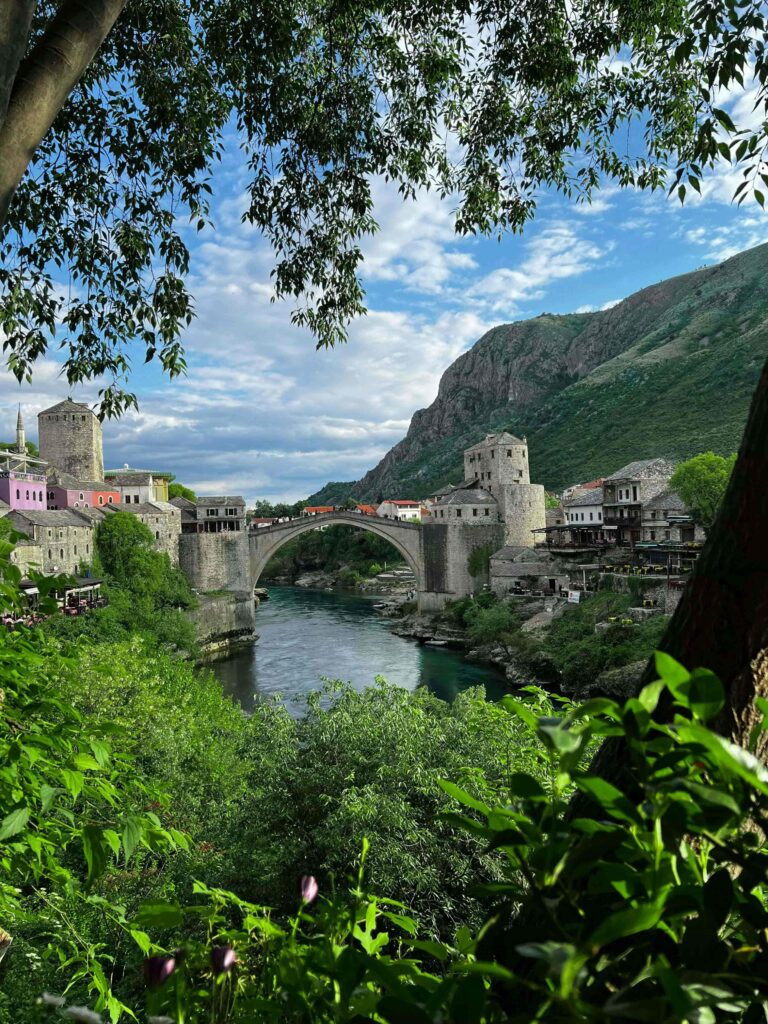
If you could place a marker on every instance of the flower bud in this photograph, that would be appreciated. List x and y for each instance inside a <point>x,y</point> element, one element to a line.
<point>223,959</point>
<point>309,888</point>
<point>158,969</point>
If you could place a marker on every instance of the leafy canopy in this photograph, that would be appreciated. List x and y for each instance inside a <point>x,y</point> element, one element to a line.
<point>488,103</point>
<point>701,483</point>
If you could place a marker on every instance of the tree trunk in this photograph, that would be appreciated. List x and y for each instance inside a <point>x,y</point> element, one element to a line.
<point>15,22</point>
<point>44,81</point>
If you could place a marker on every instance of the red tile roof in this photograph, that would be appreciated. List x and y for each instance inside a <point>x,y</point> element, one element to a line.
<point>402,501</point>
<point>319,508</point>
<point>367,510</point>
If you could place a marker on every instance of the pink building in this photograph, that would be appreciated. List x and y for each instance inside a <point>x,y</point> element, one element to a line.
<point>22,477</point>
<point>22,490</point>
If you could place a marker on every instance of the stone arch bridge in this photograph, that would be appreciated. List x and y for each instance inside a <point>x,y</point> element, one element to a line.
<point>405,537</point>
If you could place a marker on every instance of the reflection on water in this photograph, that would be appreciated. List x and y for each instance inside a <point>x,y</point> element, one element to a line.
<point>308,635</point>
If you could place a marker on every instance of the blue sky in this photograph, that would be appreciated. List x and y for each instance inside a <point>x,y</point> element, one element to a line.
<point>263,414</point>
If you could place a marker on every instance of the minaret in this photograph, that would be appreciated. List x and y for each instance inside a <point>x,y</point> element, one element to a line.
<point>21,444</point>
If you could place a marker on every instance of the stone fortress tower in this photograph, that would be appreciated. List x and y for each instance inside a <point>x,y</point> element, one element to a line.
<point>70,440</point>
<point>499,464</point>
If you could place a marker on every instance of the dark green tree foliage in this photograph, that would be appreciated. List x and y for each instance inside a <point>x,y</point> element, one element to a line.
<point>176,490</point>
<point>124,107</point>
<point>701,483</point>
<point>146,593</point>
<point>648,904</point>
<point>331,549</point>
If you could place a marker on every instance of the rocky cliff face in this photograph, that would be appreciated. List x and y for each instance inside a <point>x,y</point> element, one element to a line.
<point>593,391</point>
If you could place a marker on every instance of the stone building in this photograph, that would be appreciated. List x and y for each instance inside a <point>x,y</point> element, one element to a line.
<point>584,515</point>
<point>499,464</point>
<point>64,538</point>
<point>71,440</point>
<point>164,522</point>
<point>626,491</point>
<point>211,514</point>
<point>666,518</point>
<point>138,486</point>
<point>514,571</point>
<point>468,506</point>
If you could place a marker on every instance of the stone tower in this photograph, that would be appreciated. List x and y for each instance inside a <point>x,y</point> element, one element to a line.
<point>21,441</point>
<point>70,440</point>
<point>499,464</point>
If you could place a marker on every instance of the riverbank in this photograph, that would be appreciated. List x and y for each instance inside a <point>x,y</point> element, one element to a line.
<point>598,647</point>
<point>397,581</point>
<point>224,622</point>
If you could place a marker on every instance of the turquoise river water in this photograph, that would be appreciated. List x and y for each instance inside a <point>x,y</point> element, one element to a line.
<point>306,635</point>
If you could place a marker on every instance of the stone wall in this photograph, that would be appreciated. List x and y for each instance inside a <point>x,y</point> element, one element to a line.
<point>224,621</point>
<point>446,550</point>
<point>63,548</point>
<point>27,555</point>
<point>72,442</point>
<point>216,561</point>
<point>164,523</point>
<point>523,510</point>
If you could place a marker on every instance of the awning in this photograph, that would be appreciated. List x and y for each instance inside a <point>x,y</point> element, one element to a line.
<point>30,590</point>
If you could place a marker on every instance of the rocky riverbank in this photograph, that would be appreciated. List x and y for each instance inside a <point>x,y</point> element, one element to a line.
<point>398,582</point>
<point>224,622</point>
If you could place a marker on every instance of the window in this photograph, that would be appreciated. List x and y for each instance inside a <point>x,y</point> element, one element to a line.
<point>40,496</point>
<point>81,495</point>
<point>61,553</point>
<point>101,499</point>
<point>509,453</point>
<point>211,511</point>
<point>458,513</point>
<point>127,499</point>
<point>157,535</point>
<point>87,549</point>
<point>135,499</point>
<point>109,500</point>
<point>50,554</point>
<point>599,515</point>
<point>653,535</point>
<point>441,514</point>
<point>666,535</point>
<point>487,511</point>
<point>27,495</point>
<point>77,504</point>
<point>75,548</point>
<point>590,517</point>
<point>49,533</point>
<point>493,454</point>
<point>653,515</point>
<point>18,494</point>
<point>83,418</point>
<point>230,511</point>
<point>85,505</point>
<point>474,511</point>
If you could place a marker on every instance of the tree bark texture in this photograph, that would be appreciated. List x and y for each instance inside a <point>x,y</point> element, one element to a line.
<point>15,22</point>
<point>45,79</point>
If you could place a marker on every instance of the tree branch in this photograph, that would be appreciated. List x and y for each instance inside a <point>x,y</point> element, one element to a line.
<point>44,81</point>
<point>15,22</point>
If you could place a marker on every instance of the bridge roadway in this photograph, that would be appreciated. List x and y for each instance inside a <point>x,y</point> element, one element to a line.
<point>405,537</point>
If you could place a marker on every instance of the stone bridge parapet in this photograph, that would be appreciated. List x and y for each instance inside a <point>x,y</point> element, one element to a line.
<point>405,537</point>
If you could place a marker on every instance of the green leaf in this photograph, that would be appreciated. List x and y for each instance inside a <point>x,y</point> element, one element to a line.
<point>131,838</point>
<point>47,795</point>
<point>73,781</point>
<point>607,796</point>
<point>462,796</point>
<point>14,823</point>
<point>669,670</point>
<point>159,914</point>
<point>94,851</point>
<point>705,694</point>
<point>86,762</point>
<point>626,922</point>
<point>113,839</point>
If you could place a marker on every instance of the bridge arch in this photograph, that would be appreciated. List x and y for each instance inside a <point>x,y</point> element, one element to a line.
<point>404,537</point>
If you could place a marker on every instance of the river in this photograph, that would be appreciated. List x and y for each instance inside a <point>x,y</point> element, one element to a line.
<point>306,635</point>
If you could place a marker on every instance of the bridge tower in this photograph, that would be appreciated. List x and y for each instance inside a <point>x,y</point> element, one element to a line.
<point>499,464</point>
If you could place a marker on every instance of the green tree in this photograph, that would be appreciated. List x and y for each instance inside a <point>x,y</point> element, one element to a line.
<point>176,490</point>
<point>701,483</point>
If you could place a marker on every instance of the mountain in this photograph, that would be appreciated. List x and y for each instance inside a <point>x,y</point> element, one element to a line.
<point>667,372</point>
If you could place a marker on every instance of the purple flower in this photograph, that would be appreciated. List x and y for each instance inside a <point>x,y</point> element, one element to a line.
<point>309,888</point>
<point>223,959</point>
<point>158,969</point>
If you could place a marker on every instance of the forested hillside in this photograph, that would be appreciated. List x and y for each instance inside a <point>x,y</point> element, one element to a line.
<point>669,371</point>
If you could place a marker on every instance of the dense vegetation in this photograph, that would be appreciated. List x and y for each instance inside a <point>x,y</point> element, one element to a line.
<point>146,594</point>
<point>358,552</point>
<point>701,483</point>
<point>580,643</point>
